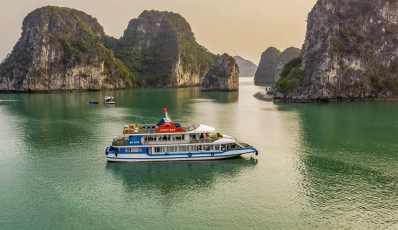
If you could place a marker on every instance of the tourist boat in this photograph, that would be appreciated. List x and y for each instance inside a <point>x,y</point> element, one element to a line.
<point>109,100</point>
<point>169,141</point>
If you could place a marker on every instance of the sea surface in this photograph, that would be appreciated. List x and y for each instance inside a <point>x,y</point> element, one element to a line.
<point>320,166</point>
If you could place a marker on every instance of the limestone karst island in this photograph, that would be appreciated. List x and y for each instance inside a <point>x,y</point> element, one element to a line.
<point>349,53</point>
<point>64,49</point>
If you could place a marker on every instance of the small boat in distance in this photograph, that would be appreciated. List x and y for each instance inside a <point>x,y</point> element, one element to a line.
<point>109,100</point>
<point>169,141</point>
<point>91,102</point>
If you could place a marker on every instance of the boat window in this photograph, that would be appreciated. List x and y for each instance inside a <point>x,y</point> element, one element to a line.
<point>178,137</point>
<point>134,150</point>
<point>193,137</point>
<point>151,138</point>
<point>160,149</point>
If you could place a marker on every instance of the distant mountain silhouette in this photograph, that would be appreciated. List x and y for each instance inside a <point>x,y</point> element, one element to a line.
<point>246,67</point>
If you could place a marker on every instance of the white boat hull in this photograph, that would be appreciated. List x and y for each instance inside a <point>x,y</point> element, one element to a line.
<point>194,156</point>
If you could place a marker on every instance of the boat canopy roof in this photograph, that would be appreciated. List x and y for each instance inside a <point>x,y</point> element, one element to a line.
<point>196,128</point>
<point>165,125</point>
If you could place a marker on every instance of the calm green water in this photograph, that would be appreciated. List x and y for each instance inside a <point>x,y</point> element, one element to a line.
<point>325,166</point>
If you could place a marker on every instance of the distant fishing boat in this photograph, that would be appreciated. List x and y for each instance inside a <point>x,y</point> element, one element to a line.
<point>93,102</point>
<point>109,100</point>
<point>169,141</point>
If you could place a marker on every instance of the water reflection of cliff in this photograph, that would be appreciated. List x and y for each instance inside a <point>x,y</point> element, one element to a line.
<point>221,97</point>
<point>348,167</point>
<point>170,177</point>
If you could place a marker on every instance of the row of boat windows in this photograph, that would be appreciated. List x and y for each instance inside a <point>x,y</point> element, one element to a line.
<point>193,148</point>
<point>177,137</point>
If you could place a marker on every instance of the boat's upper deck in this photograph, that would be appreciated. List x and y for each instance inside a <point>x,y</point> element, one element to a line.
<point>166,132</point>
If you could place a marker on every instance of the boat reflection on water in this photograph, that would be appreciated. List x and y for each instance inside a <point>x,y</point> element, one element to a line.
<point>170,177</point>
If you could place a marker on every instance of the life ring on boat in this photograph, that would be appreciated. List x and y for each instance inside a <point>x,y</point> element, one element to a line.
<point>145,143</point>
<point>189,154</point>
<point>212,154</point>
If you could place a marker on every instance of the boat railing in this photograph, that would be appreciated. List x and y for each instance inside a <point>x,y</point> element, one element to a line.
<point>167,142</point>
<point>119,141</point>
<point>201,141</point>
<point>243,145</point>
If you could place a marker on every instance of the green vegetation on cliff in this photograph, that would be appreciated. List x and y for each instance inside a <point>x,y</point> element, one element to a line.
<point>153,44</point>
<point>291,77</point>
<point>65,48</point>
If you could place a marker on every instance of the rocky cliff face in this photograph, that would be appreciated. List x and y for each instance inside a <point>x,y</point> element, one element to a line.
<point>350,52</point>
<point>223,75</point>
<point>246,67</point>
<point>266,68</point>
<point>61,49</point>
<point>161,49</point>
<point>286,56</point>
<point>272,63</point>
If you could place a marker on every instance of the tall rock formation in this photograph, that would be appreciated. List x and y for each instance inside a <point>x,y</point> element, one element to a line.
<point>161,49</point>
<point>272,63</point>
<point>350,53</point>
<point>223,75</point>
<point>246,67</point>
<point>61,49</point>
<point>266,68</point>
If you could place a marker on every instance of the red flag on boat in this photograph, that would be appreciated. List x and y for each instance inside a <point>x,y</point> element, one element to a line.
<point>165,109</point>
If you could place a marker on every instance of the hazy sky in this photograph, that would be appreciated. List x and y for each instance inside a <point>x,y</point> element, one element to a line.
<point>237,27</point>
